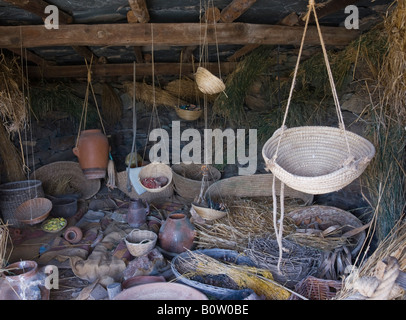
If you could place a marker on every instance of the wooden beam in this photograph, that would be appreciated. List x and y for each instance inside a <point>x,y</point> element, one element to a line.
<point>37,7</point>
<point>235,9</point>
<point>32,57</point>
<point>328,8</point>
<point>175,34</point>
<point>114,70</point>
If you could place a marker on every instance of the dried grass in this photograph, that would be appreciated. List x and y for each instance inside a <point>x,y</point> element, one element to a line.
<point>187,90</point>
<point>4,239</point>
<point>111,105</point>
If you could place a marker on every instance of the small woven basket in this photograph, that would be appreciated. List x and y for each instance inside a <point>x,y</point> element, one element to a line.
<point>208,213</point>
<point>313,288</point>
<point>140,242</point>
<point>156,170</point>
<point>33,211</point>
<point>188,115</point>
<point>187,179</point>
<point>207,82</point>
<point>315,159</point>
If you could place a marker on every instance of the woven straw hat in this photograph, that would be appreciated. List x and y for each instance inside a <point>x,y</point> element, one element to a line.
<point>72,174</point>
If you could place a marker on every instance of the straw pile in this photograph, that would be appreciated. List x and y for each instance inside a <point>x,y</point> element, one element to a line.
<point>111,105</point>
<point>4,237</point>
<point>259,280</point>
<point>186,89</point>
<point>152,96</point>
<point>246,219</point>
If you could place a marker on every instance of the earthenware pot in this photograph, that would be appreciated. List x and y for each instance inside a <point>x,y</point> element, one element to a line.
<point>177,233</point>
<point>92,151</point>
<point>137,213</point>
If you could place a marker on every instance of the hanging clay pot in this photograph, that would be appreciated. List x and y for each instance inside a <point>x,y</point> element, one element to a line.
<point>19,281</point>
<point>93,153</point>
<point>177,233</point>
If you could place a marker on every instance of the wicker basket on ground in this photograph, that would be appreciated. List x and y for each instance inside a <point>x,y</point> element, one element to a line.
<point>187,179</point>
<point>33,211</point>
<point>313,288</point>
<point>140,242</point>
<point>156,171</point>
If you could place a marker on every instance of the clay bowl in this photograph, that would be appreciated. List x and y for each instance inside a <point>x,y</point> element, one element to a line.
<point>64,207</point>
<point>161,291</point>
<point>33,211</point>
<point>138,280</point>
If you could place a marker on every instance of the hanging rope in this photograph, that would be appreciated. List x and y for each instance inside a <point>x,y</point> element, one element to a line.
<point>134,144</point>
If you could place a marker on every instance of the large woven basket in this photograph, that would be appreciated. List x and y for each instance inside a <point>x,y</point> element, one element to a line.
<point>188,115</point>
<point>13,194</point>
<point>315,159</point>
<point>156,170</point>
<point>207,82</point>
<point>257,185</point>
<point>326,217</point>
<point>187,179</point>
<point>222,255</point>
<point>140,242</point>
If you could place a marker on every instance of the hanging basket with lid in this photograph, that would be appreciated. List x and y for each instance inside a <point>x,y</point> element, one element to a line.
<point>316,159</point>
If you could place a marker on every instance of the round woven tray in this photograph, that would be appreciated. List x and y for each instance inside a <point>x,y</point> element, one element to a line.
<point>156,170</point>
<point>140,242</point>
<point>69,171</point>
<point>178,269</point>
<point>187,179</point>
<point>315,159</point>
<point>208,213</point>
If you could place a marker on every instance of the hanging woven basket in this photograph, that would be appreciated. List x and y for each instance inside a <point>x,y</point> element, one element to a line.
<point>207,82</point>
<point>317,159</point>
<point>155,177</point>
<point>189,115</point>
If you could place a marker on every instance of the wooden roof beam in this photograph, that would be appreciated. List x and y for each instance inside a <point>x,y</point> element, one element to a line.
<point>172,34</point>
<point>138,14</point>
<point>235,9</point>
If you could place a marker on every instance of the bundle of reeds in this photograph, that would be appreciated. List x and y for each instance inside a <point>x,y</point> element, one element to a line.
<point>392,246</point>
<point>152,96</point>
<point>112,109</point>
<point>259,280</point>
<point>186,89</point>
<point>13,111</point>
<point>4,239</point>
<point>393,73</point>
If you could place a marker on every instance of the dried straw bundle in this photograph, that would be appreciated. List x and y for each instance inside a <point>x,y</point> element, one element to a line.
<point>12,101</point>
<point>187,90</point>
<point>4,237</point>
<point>259,280</point>
<point>111,105</point>
<point>150,95</point>
<point>392,246</point>
<point>207,82</point>
<point>247,219</point>
<point>393,73</point>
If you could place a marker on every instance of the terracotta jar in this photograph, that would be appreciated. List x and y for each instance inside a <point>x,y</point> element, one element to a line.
<point>18,281</point>
<point>93,153</point>
<point>177,233</point>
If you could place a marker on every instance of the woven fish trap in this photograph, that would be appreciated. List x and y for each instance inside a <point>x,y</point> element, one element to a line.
<point>317,159</point>
<point>187,179</point>
<point>297,263</point>
<point>156,170</point>
<point>13,194</point>
<point>188,115</point>
<point>207,82</point>
<point>140,242</point>
<point>253,186</point>
<point>314,288</point>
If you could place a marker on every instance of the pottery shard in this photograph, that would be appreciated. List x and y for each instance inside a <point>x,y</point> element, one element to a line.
<point>145,265</point>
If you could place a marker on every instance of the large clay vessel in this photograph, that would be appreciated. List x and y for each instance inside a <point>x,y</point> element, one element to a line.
<point>93,153</point>
<point>177,233</point>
